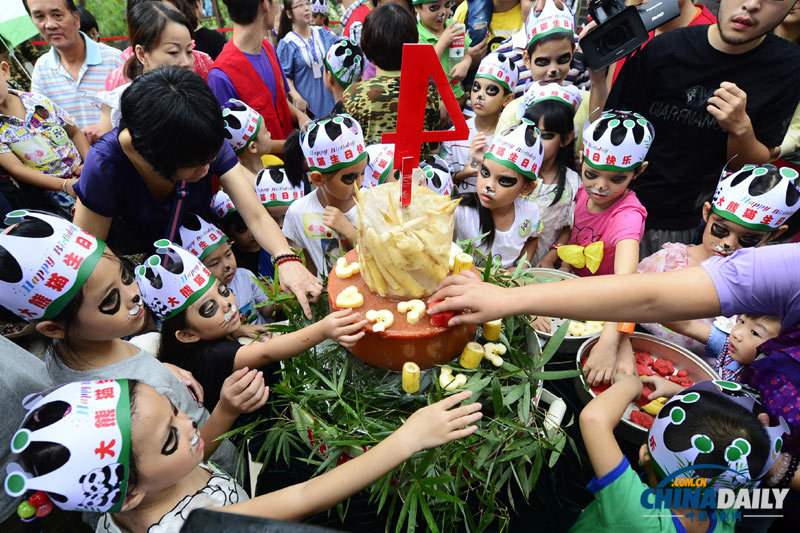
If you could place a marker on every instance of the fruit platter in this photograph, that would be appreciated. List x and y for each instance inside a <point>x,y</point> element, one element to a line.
<point>653,357</point>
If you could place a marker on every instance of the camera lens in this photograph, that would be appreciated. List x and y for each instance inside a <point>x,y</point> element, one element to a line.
<point>615,39</point>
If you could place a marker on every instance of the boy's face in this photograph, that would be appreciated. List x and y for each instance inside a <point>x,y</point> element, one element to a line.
<point>722,237</point>
<point>262,144</point>
<point>498,186</point>
<point>748,334</point>
<point>433,15</point>
<point>604,187</point>
<point>342,184</point>
<point>242,237</point>
<point>318,19</point>
<point>488,98</point>
<point>57,24</point>
<point>744,21</point>
<point>222,263</point>
<point>550,60</point>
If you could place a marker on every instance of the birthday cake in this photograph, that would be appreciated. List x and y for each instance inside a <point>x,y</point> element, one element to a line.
<point>403,253</point>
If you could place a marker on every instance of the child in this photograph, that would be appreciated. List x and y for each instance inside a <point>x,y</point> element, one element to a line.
<point>201,322</point>
<point>246,134</point>
<point>344,65</point>
<point>492,90</point>
<point>552,108</point>
<point>323,223</point>
<point>86,302</point>
<point>731,353</point>
<point>551,45</point>
<point>380,169</point>
<point>153,473</point>
<point>764,194</point>
<point>212,247</point>
<point>319,12</point>
<point>500,207</point>
<point>705,425</point>
<point>40,144</point>
<point>609,220</point>
<point>301,51</point>
<point>449,39</point>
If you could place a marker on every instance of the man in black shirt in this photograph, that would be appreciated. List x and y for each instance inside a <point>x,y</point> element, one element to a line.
<point>716,95</point>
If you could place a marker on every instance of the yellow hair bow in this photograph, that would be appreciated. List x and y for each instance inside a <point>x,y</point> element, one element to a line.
<point>582,256</point>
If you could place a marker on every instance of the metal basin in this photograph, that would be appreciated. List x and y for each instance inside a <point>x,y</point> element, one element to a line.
<point>681,358</point>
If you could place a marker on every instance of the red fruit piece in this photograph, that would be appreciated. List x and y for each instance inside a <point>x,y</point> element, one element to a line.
<point>682,373</point>
<point>440,320</point>
<point>600,388</point>
<point>643,399</point>
<point>664,367</point>
<point>643,357</point>
<point>38,498</point>
<point>642,419</point>
<point>643,370</point>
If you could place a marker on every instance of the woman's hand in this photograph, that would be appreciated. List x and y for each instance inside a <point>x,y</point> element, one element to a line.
<point>297,280</point>
<point>298,101</point>
<point>440,423</point>
<point>480,301</point>
<point>186,377</point>
<point>344,326</point>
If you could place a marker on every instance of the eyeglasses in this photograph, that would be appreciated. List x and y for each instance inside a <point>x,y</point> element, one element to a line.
<point>745,241</point>
<point>436,7</point>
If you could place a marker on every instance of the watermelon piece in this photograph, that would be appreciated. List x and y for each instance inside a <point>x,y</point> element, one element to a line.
<point>643,370</point>
<point>682,381</point>
<point>664,367</point>
<point>643,399</point>
<point>600,388</point>
<point>682,373</point>
<point>441,320</point>
<point>642,419</point>
<point>643,357</point>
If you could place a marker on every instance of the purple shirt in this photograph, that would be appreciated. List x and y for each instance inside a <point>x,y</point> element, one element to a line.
<point>222,86</point>
<point>111,187</point>
<point>764,281</point>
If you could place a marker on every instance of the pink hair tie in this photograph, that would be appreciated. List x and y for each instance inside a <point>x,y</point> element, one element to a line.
<point>193,44</point>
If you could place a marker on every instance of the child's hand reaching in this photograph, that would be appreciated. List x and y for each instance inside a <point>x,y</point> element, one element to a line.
<point>662,388</point>
<point>253,331</point>
<point>243,392</point>
<point>478,147</point>
<point>626,362</point>
<point>601,362</point>
<point>345,327</point>
<point>542,323</point>
<point>334,219</point>
<point>440,422</point>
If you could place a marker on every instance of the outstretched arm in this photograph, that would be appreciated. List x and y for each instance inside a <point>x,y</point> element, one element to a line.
<point>669,296</point>
<point>428,427</point>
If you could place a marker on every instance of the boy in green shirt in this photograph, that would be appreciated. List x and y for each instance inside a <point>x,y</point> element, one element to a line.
<point>449,39</point>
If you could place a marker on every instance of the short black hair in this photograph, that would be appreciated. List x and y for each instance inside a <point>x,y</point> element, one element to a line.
<point>557,36</point>
<point>87,20</point>
<point>69,3</point>
<point>243,11</point>
<point>173,118</point>
<point>385,32</point>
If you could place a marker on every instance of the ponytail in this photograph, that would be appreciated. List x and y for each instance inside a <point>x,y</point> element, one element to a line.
<point>285,25</point>
<point>293,159</point>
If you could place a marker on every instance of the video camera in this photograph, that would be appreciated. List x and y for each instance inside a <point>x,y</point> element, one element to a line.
<point>622,29</point>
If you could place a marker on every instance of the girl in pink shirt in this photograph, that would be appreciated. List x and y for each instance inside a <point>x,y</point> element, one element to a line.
<point>609,221</point>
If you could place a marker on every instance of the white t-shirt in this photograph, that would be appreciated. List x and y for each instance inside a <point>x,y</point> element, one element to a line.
<point>248,294</point>
<point>220,491</point>
<point>456,153</point>
<point>555,217</point>
<point>507,244</point>
<point>303,225</point>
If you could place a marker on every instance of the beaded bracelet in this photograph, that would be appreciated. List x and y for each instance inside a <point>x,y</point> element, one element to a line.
<point>786,480</point>
<point>781,466</point>
<point>277,258</point>
<point>287,259</point>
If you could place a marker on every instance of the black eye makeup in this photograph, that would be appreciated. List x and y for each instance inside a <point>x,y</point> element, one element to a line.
<point>111,303</point>
<point>745,241</point>
<point>548,135</point>
<point>541,61</point>
<point>485,172</point>
<point>223,290</point>
<point>564,59</point>
<point>125,274</point>
<point>171,444</point>
<point>492,90</point>
<point>349,179</point>
<point>507,181</point>
<point>209,309</point>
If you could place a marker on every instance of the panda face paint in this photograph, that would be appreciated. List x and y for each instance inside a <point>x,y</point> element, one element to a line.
<point>214,315</point>
<point>605,187</point>
<point>112,306</point>
<point>488,98</point>
<point>166,442</point>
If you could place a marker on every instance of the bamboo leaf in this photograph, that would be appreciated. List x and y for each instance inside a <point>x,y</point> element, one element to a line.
<point>555,374</point>
<point>554,343</point>
<point>440,494</point>
<point>412,511</point>
<point>497,396</point>
<point>426,512</point>
<point>515,394</point>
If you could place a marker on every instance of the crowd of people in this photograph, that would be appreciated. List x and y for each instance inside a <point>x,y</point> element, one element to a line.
<point>147,190</point>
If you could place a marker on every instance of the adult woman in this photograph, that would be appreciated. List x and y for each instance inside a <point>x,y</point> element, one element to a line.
<point>170,147</point>
<point>373,103</point>
<point>201,61</point>
<point>159,36</point>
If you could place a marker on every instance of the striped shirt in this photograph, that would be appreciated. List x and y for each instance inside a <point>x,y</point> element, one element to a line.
<point>51,79</point>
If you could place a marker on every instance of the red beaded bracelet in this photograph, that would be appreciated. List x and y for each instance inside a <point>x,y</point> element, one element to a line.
<point>287,259</point>
<point>555,246</point>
